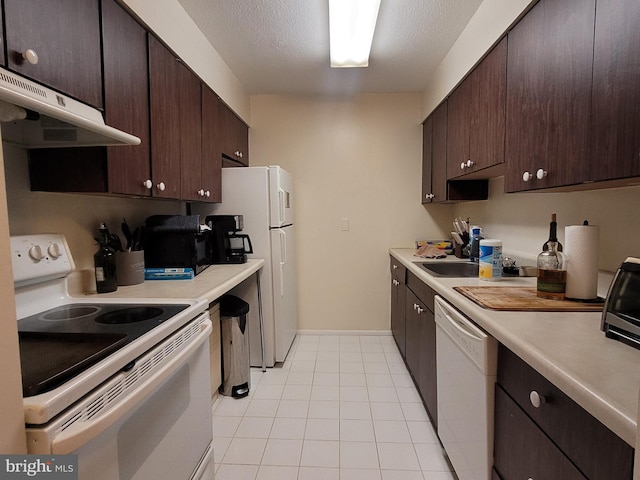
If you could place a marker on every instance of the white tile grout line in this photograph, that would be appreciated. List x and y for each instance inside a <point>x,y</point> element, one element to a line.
<point>339,339</point>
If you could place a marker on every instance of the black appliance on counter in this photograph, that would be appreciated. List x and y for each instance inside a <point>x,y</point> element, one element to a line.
<point>621,312</point>
<point>176,241</point>
<point>228,246</point>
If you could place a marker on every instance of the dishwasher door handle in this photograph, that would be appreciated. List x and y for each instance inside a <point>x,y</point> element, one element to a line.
<point>463,328</point>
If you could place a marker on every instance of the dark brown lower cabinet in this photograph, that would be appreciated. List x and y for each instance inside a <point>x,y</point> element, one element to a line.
<point>522,450</point>
<point>421,342</point>
<point>427,379</point>
<point>557,439</point>
<point>398,296</point>
<point>412,332</point>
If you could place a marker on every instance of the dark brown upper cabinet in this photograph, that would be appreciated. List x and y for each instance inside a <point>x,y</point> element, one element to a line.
<point>191,135</point>
<point>476,118</point>
<point>164,89</point>
<point>126,91</point>
<point>439,154</point>
<point>234,136</point>
<point>119,170</point>
<point>211,153</point>
<point>436,188</point>
<point>65,37</point>
<point>549,77</point>
<point>427,160</point>
<point>615,113</point>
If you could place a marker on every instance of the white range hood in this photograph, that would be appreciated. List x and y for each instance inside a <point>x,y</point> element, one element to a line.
<point>58,121</point>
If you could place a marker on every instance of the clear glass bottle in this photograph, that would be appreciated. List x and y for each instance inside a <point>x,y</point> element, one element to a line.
<point>105,263</point>
<point>552,273</point>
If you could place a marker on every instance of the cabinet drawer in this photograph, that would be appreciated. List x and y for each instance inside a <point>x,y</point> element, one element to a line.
<point>398,271</point>
<point>522,450</point>
<point>596,450</point>
<point>424,292</point>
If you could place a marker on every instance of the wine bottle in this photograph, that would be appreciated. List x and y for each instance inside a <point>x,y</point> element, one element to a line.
<point>105,263</point>
<point>553,235</point>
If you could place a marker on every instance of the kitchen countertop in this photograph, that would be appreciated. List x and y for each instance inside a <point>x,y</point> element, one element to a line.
<point>568,348</point>
<point>210,284</point>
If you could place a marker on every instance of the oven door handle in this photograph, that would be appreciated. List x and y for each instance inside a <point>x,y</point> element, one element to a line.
<point>78,435</point>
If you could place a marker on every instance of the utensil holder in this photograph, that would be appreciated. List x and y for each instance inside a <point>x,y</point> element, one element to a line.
<point>130,267</point>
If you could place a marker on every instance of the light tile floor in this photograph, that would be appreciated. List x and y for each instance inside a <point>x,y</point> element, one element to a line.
<point>341,407</point>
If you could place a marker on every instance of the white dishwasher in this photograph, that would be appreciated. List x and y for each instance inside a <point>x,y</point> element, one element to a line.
<point>466,365</point>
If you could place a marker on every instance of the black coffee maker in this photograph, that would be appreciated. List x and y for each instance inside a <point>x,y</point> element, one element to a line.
<point>228,246</point>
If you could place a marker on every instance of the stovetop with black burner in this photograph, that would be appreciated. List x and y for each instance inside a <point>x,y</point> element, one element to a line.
<point>59,343</point>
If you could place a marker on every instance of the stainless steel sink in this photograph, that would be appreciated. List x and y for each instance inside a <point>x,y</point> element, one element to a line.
<point>452,269</point>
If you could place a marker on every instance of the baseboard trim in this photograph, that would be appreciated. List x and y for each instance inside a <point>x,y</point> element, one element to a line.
<point>345,332</point>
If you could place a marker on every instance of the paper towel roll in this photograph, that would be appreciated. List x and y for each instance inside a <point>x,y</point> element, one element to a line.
<point>581,252</point>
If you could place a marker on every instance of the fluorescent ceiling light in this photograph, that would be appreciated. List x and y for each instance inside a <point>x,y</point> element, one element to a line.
<point>351,27</point>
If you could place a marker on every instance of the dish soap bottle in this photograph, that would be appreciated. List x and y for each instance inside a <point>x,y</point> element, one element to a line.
<point>552,273</point>
<point>105,263</point>
<point>474,244</point>
<point>553,234</point>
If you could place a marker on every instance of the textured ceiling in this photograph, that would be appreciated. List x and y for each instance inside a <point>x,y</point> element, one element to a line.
<point>282,46</point>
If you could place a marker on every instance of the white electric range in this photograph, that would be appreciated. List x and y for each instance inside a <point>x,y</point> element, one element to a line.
<point>125,386</point>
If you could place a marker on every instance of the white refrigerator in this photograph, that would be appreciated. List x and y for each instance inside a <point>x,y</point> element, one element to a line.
<point>264,196</point>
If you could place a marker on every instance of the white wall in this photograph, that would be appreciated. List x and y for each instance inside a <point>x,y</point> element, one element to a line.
<point>75,216</point>
<point>521,220</point>
<point>490,21</point>
<point>357,158</point>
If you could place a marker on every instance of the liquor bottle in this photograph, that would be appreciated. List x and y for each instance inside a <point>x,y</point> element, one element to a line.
<point>105,263</point>
<point>552,273</point>
<point>553,234</point>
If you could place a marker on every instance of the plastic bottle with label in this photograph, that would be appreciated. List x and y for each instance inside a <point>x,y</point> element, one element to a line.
<point>474,244</point>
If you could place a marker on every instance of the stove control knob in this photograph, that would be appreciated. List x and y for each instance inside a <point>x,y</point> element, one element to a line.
<point>54,250</point>
<point>35,253</point>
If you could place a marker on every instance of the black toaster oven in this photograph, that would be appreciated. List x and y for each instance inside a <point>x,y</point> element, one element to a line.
<point>621,313</point>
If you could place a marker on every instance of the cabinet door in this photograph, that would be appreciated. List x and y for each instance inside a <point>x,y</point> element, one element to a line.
<point>427,375</point>
<point>595,449</point>
<point>190,135</point>
<point>439,154</point>
<point>211,153</point>
<point>427,140</point>
<point>126,92</point>
<point>487,121</point>
<point>550,58</point>
<point>66,38</point>
<point>616,96</point>
<point>242,139</point>
<point>398,298</point>
<point>522,450</point>
<point>459,106</point>
<point>234,136</point>
<point>164,81</point>
<point>412,318</point>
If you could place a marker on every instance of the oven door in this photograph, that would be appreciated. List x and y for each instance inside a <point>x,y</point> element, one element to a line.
<point>151,421</point>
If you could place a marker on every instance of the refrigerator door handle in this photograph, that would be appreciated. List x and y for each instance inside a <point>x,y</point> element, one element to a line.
<point>283,259</point>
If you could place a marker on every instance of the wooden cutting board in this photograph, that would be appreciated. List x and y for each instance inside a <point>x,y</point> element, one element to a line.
<point>524,299</point>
